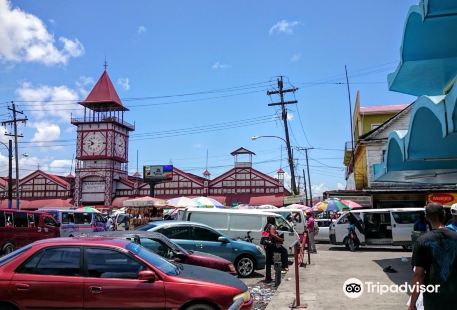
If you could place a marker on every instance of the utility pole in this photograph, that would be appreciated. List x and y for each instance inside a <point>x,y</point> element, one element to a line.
<point>352,129</point>
<point>281,91</point>
<point>14,122</point>
<point>306,149</point>
<point>306,188</point>
<point>10,174</point>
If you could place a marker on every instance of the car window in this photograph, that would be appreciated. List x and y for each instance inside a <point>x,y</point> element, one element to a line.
<point>204,234</point>
<point>324,223</point>
<point>282,224</point>
<point>83,218</point>
<point>9,257</point>
<point>49,221</point>
<point>406,217</point>
<point>176,232</point>
<point>67,218</point>
<point>157,247</point>
<point>107,263</point>
<point>62,261</point>
<point>20,219</point>
<point>2,219</point>
<point>344,219</point>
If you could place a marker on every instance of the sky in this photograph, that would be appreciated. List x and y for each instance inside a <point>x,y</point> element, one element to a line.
<point>195,76</point>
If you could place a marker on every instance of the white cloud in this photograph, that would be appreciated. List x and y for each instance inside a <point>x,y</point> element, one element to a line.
<point>50,101</point>
<point>141,29</point>
<point>45,131</point>
<point>219,66</point>
<point>340,186</point>
<point>295,57</point>
<point>124,83</point>
<point>290,116</point>
<point>24,38</point>
<point>84,84</point>
<point>284,26</point>
<point>60,163</point>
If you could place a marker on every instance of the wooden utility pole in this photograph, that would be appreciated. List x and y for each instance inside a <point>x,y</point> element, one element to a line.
<point>14,122</point>
<point>306,149</point>
<point>305,188</point>
<point>281,91</point>
<point>352,129</point>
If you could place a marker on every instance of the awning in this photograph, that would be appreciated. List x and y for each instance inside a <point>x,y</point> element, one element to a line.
<point>44,203</point>
<point>277,201</point>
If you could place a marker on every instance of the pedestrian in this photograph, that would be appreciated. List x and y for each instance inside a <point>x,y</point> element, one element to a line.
<point>311,232</point>
<point>435,262</point>
<point>452,224</point>
<point>109,223</point>
<point>273,243</point>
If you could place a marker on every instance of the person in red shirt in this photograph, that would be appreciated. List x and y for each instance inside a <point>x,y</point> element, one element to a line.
<point>310,228</point>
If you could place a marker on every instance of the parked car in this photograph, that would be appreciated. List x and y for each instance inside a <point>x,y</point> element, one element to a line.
<point>20,227</point>
<point>377,226</point>
<point>324,230</point>
<point>247,257</point>
<point>171,251</point>
<point>115,274</point>
<point>74,223</point>
<point>237,223</point>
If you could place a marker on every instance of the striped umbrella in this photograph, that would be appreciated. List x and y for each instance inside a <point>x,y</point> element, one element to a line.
<point>351,204</point>
<point>299,206</point>
<point>182,202</point>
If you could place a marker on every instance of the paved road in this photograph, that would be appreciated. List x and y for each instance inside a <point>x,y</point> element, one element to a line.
<point>322,281</point>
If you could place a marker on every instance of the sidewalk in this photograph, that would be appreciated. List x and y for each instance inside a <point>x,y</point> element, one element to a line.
<point>321,283</point>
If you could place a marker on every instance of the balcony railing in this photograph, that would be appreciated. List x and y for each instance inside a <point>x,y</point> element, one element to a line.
<point>80,164</point>
<point>107,119</point>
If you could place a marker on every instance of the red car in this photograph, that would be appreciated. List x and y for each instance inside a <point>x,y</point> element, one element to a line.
<point>97,272</point>
<point>171,251</point>
<point>19,227</point>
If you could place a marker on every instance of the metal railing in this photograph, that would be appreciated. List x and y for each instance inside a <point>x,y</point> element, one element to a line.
<point>108,119</point>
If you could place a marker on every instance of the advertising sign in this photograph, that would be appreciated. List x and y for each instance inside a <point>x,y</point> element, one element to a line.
<point>158,173</point>
<point>446,199</point>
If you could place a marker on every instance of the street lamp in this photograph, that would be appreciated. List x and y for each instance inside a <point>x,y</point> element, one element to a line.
<point>291,161</point>
<point>9,147</point>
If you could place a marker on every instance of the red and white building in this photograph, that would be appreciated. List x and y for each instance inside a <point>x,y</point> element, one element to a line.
<point>101,177</point>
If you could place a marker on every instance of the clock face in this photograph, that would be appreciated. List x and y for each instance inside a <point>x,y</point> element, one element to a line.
<point>94,143</point>
<point>119,146</point>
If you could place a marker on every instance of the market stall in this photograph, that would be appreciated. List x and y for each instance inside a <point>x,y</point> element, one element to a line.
<point>143,210</point>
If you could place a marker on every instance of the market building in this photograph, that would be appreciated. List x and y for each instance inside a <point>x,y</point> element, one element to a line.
<point>101,174</point>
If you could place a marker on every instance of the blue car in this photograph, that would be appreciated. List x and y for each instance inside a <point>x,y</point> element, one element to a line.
<point>247,257</point>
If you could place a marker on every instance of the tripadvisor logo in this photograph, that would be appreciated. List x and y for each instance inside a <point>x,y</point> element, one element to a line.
<point>354,288</point>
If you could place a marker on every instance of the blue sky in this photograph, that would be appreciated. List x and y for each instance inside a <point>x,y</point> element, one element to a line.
<point>54,50</point>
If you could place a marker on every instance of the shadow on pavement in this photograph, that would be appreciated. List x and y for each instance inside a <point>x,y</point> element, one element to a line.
<point>372,249</point>
<point>404,269</point>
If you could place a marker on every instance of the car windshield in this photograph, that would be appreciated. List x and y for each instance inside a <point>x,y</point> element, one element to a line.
<point>153,259</point>
<point>9,257</point>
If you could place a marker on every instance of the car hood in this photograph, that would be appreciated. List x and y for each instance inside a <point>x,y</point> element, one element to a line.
<point>211,275</point>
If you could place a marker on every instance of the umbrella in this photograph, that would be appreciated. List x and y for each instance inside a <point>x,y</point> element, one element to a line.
<point>298,206</point>
<point>351,204</point>
<point>206,202</point>
<point>182,202</point>
<point>87,209</point>
<point>145,202</point>
<point>331,205</point>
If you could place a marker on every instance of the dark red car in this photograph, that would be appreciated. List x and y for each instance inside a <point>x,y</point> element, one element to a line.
<point>97,272</point>
<point>171,251</point>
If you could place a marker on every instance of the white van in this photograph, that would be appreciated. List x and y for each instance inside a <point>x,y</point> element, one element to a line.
<point>238,223</point>
<point>296,216</point>
<point>379,226</point>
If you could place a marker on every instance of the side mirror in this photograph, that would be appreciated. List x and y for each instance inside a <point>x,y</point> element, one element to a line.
<point>147,276</point>
<point>223,239</point>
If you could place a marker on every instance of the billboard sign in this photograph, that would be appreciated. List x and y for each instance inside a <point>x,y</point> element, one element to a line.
<point>446,199</point>
<point>157,173</point>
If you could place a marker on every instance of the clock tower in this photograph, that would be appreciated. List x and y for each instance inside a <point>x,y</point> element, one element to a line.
<point>101,145</point>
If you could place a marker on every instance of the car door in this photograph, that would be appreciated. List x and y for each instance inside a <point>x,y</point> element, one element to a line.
<point>402,225</point>
<point>206,240</point>
<point>112,282</point>
<point>50,278</point>
<point>180,234</point>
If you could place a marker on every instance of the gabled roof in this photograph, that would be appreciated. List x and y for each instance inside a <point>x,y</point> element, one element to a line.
<point>253,171</point>
<point>242,150</point>
<point>369,135</point>
<point>103,96</point>
<point>55,178</point>
<point>3,183</point>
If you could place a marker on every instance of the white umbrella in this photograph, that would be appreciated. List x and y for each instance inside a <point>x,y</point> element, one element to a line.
<point>206,202</point>
<point>182,202</point>
<point>266,207</point>
<point>145,202</point>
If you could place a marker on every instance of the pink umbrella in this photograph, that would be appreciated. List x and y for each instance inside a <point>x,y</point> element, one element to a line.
<point>352,204</point>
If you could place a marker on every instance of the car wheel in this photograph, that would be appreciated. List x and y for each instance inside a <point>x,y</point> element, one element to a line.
<point>245,266</point>
<point>200,307</point>
<point>346,243</point>
<point>8,248</point>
